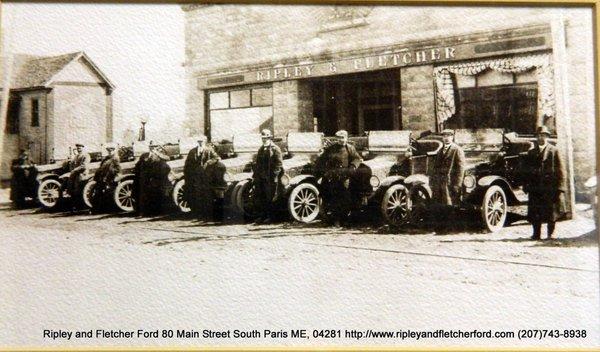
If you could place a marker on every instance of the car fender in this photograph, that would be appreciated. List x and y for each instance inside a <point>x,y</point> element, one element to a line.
<point>296,180</point>
<point>123,177</point>
<point>417,179</point>
<point>390,180</point>
<point>487,181</point>
<point>44,177</point>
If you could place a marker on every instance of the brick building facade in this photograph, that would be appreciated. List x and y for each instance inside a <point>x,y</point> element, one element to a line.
<point>361,68</point>
<point>54,103</point>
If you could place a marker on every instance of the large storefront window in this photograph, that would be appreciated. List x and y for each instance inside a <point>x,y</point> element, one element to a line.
<point>516,94</point>
<point>240,111</point>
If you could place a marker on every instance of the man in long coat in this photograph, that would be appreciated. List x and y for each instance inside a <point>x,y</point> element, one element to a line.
<point>79,168</point>
<point>446,178</point>
<point>198,189</point>
<point>546,184</point>
<point>23,179</point>
<point>266,177</point>
<point>154,182</point>
<point>105,176</point>
<point>337,165</point>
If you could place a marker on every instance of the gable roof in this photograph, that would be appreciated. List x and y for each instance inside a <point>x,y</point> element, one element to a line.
<point>31,71</point>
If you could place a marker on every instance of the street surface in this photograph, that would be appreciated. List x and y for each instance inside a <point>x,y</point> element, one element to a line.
<point>114,271</point>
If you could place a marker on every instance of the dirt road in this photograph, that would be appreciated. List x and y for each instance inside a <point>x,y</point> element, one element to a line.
<point>87,272</point>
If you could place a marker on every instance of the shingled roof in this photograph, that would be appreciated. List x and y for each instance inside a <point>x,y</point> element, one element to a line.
<point>31,71</point>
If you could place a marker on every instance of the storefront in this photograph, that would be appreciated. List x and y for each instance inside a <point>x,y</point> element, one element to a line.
<point>497,80</point>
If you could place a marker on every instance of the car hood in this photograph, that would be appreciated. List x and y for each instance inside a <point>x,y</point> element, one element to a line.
<point>381,165</point>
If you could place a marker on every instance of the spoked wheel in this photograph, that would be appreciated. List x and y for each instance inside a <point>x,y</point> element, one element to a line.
<point>419,198</point>
<point>179,198</point>
<point>494,208</point>
<point>246,200</point>
<point>49,192</point>
<point>396,205</point>
<point>123,195</point>
<point>304,203</point>
<point>88,193</point>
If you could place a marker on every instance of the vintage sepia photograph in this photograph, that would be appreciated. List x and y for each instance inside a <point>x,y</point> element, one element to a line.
<point>262,175</point>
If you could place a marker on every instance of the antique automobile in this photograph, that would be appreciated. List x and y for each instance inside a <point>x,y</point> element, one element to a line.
<point>400,164</point>
<point>299,155</point>
<point>127,156</point>
<point>26,179</point>
<point>52,189</point>
<point>228,174</point>
<point>493,174</point>
<point>124,192</point>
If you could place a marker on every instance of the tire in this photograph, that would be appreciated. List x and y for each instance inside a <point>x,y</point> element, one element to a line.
<point>420,199</point>
<point>245,200</point>
<point>304,203</point>
<point>49,193</point>
<point>123,195</point>
<point>396,205</point>
<point>178,197</point>
<point>494,209</point>
<point>88,193</point>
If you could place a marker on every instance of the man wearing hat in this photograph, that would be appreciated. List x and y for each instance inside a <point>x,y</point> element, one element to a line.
<point>545,183</point>
<point>198,189</point>
<point>23,179</point>
<point>78,167</point>
<point>337,165</point>
<point>446,178</point>
<point>104,177</point>
<point>154,181</point>
<point>266,176</point>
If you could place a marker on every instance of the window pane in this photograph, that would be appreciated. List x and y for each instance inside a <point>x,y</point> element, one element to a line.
<point>219,100</point>
<point>262,96</point>
<point>35,113</point>
<point>240,98</point>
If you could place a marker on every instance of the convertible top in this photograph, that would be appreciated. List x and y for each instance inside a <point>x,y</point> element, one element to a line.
<point>388,141</point>
<point>246,142</point>
<point>304,142</point>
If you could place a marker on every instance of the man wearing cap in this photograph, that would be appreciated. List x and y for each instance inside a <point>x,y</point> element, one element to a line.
<point>23,178</point>
<point>337,164</point>
<point>197,190</point>
<point>545,183</point>
<point>153,182</point>
<point>266,176</point>
<point>78,167</point>
<point>104,177</point>
<point>446,178</point>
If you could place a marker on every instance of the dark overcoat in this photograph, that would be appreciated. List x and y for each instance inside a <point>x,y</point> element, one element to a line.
<point>447,175</point>
<point>154,184</point>
<point>197,189</point>
<point>545,183</point>
<point>105,176</point>
<point>266,176</point>
<point>23,179</point>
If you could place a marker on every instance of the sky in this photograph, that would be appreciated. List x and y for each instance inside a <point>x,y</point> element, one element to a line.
<point>139,47</point>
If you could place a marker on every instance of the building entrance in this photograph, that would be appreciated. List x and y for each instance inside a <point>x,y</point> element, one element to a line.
<point>357,102</point>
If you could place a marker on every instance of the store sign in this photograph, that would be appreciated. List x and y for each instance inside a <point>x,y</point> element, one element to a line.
<point>398,59</point>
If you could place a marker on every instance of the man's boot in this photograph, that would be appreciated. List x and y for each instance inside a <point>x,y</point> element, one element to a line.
<point>537,229</point>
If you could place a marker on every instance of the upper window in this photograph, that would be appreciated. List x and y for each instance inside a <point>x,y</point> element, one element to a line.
<point>241,98</point>
<point>35,112</point>
<point>494,99</point>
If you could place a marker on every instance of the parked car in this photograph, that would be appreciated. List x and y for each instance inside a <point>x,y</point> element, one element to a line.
<point>494,175</point>
<point>52,187</point>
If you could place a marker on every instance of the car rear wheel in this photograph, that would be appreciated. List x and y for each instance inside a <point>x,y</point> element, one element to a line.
<point>49,193</point>
<point>420,199</point>
<point>246,200</point>
<point>88,193</point>
<point>304,203</point>
<point>123,195</point>
<point>494,208</point>
<point>179,197</point>
<point>396,205</point>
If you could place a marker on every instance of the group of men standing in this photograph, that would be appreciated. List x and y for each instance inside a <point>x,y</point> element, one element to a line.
<point>545,180</point>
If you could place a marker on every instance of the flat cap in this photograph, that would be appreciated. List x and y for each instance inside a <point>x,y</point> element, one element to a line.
<point>342,133</point>
<point>542,130</point>
<point>266,133</point>
<point>448,131</point>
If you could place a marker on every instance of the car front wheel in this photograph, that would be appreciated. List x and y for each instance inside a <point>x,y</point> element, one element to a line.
<point>88,193</point>
<point>395,205</point>
<point>304,203</point>
<point>494,208</point>
<point>179,197</point>
<point>123,195</point>
<point>49,192</point>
